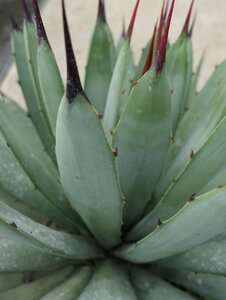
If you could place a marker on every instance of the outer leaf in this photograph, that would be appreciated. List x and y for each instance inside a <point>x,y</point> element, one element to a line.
<point>210,285</point>
<point>142,137</point>
<point>29,90</point>
<point>88,171</point>
<point>21,207</point>
<point>109,281</point>
<point>61,243</point>
<point>113,104</point>
<point>31,154</point>
<point>179,69</point>
<point>191,181</point>
<point>195,127</point>
<point>151,287</point>
<point>31,45</point>
<point>129,82</point>
<point>100,65</point>
<point>36,289</point>
<point>51,84</point>
<point>188,228</point>
<point>16,182</point>
<point>192,95</point>
<point>10,280</point>
<point>18,254</point>
<point>142,60</point>
<point>73,287</point>
<point>207,258</point>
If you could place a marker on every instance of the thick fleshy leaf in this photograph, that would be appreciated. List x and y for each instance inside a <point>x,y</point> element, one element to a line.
<point>36,289</point>
<point>197,177</point>
<point>18,254</point>
<point>179,70</point>
<point>208,285</point>
<point>109,281</point>
<point>129,82</point>
<point>187,229</point>
<point>142,61</point>
<point>195,127</point>
<point>17,128</point>
<point>88,171</point>
<point>17,183</point>
<point>31,45</point>
<point>209,257</point>
<point>61,243</point>
<point>71,288</point>
<point>49,80</point>
<point>100,65</point>
<point>113,104</point>
<point>142,137</point>
<point>51,84</point>
<point>29,90</point>
<point>10,280</point>
<point>151,287</point>
<point>193,93</point>
<point>22,207</point>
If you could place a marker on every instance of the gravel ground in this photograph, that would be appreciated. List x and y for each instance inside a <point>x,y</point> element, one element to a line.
<point>209,31</point>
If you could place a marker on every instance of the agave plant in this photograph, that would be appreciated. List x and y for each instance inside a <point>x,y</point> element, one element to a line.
<point>115,190</point>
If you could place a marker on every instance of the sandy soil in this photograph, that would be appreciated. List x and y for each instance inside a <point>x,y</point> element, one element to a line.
<point>209,31</point>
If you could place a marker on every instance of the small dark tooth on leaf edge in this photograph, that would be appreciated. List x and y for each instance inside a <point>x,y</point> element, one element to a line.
<point>27,14</point>
<point>101,11</point>
<point>74,86</point>
<point>39,24</point>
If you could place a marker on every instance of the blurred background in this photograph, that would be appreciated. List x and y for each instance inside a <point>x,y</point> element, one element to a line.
<point>209,33</point>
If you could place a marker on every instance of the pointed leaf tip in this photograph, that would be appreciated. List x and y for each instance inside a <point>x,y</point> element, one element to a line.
<point>132,21</point>
<point>150,52</point>
<point>27,14</point>
<point>192,26</point>
<point>161,49</point>
<point>101,11</point>
<point>14,24</point>
<point>161,25</point>
<point>39,24</point>
<point>74,86</point>
<point>187,21</point>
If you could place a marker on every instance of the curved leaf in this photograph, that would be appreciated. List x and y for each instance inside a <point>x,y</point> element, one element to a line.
<point>142,137</point>
<point>18,254</point>
<point>51,83</point>
<point>100,65</point>
<point>208,285</point>
<point>16,182</point>
<point>31,45</point>
<point>71,288</point>
<point>179,69</point>
<point>151,287</point>
<point>10,280</point>
<point>194,179</point>
<point>36,289</point>
<point>29,90</point>
<point>207,258</point>
<point>61,243</point>
<point>88,171</point>
<point>109,281</point>
<point>185,230</point>
<point>17,128</point>
<point>113,104</point>
<point>195,127</point>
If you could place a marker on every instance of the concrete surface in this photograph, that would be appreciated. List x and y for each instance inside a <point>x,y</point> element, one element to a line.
<point>209,34</point>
